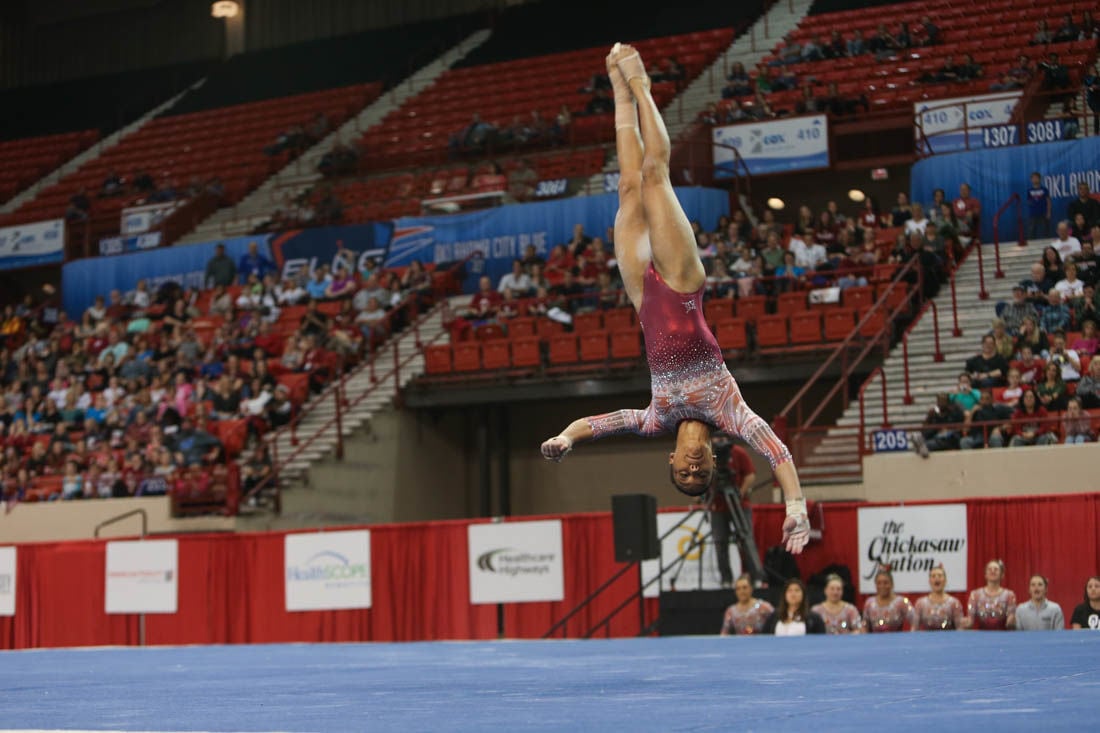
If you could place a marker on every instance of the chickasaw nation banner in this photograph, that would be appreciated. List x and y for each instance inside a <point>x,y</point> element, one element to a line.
<point>699,567</point>
<point>7,581</point>
<point>328,570</point>
<point>910,541</point>
<point>142,576</point>
<point>514,562</point>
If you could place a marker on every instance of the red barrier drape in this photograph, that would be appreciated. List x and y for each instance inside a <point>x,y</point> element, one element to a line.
<point>231,586</point>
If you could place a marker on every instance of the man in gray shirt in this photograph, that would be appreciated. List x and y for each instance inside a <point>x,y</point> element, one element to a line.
<point>1039,614</point>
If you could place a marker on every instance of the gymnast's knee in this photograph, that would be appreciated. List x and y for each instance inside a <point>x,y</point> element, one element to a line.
<point>630,186</point>
<point>655,170</point>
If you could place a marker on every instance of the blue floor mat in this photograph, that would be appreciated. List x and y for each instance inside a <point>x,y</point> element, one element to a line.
<point>894,682</point>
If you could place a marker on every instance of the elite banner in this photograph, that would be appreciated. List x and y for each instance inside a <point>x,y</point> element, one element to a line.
<point>142,576</point>
<point>699,567</point>
<point>328,570</point>
<point>910,541</point>
<point>514,562</point>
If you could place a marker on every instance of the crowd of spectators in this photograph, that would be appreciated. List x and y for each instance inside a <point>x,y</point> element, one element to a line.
<point>1035,377</point>
<point>156,392</point>
<point>534,131</point>
<point>991,607</point>
<point>141,189</point>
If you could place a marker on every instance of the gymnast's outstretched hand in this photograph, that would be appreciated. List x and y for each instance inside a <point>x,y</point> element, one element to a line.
<point>557,447</point>
<point>796,532</point>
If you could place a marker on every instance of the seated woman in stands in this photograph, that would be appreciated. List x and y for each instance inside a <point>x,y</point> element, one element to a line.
<point>1013,390</point>
<point>1088,389</point>
<point>1033,339</point>
<point>749,614</point>
<point>886,610</point>
<point>840,617</point>
<point>938,611</point>
<point>1052,390</point>
<point>1087,342</point>
<point>1029,423</point>
<point>794,617</point>
<point>992,607</point>
<point>1076,423</point>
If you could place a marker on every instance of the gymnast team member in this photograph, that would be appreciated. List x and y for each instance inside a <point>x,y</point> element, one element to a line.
<point>693,391</point>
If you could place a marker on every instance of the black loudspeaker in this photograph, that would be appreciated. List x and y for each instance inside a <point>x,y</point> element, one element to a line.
<point>635,519</point>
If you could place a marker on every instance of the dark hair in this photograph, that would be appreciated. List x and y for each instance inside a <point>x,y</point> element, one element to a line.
<point>803,610</point>
<point>1086,592</point>
<point>1046,583</point>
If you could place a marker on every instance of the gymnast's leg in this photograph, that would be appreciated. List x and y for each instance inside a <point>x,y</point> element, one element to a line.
<point>632,251</point>
<point>674,252</point>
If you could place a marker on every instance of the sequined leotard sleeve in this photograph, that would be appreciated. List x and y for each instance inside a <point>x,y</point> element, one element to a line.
<point>689,377</point>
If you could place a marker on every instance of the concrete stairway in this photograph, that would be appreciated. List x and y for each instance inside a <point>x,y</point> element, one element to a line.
<point>301,174</point>
<point>836,456</point>
<point>91,153</point>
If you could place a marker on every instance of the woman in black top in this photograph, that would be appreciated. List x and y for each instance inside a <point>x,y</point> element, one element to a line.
<point>793,616</point>
<point>1087,615</point>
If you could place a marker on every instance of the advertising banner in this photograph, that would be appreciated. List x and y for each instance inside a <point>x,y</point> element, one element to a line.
<point>994,175</point>
<point>142,576</point>
<point>514,562</point>
<point>132,243</point>
<point>776,146</point>
<point>910,541</point>
<point>503,234</point>
<point>141,219</point>
<point>328,570</point>
<point>7,581</point>
<point>946,122</point>
<point>26,245</point>
<point>699,570</point>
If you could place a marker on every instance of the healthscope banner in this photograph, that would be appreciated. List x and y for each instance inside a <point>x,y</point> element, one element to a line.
<point>142,576</point>
<point>26,245</point>
<point>328,570</point>
<point>515,562</point>
<point>777,146</point>
<point>946,123</point>
<point>693,562</point>
<point>141,219</point>
<point>502,234</point>
<point>292,253</point>
<point>994,175</point>
<point>910,541</point>
<point>7,581</point>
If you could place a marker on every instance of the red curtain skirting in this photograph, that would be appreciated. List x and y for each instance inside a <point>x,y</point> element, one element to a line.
<point>231,586</point>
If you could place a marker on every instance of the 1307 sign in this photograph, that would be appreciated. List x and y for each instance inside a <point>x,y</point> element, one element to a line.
<point>1000,136</point>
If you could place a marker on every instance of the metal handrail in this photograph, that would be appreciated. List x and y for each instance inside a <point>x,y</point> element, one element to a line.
<point>126,515</point>
<point>1013,200</point>
<point>885,415</point>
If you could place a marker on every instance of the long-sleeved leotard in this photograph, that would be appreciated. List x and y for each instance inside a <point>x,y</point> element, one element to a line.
<point>690,380</point>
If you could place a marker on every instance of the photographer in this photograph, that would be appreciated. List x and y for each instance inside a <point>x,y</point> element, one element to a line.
<point>735,471</point>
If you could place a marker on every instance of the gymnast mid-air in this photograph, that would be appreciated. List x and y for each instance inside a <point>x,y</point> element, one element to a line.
<point>693,391</point>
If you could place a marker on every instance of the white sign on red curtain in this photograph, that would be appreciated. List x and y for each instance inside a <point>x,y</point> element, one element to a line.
<point>142,576</point>
<point>328,570</point>
<point>911,541</point>
<point>699,568</point>
<point>7,581</point>
<point>514,562</point>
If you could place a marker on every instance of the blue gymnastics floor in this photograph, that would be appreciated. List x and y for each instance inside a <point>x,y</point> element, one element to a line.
<point>896,682</point>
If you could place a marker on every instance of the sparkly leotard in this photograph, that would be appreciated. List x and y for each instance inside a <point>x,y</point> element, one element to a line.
<point>845,621</point>
<point>947,615</point>
<point>878,616</point>
<point>990,613</point>
<point>689,377</point>
<point>751,621</point>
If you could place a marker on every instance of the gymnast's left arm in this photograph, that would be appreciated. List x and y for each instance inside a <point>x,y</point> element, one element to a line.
<point>596,427</point>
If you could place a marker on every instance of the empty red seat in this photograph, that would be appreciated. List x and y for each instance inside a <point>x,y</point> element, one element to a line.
<point>526,352</point>
<point>718,309</point>
<point>790,303</point>
<point>771,331</point>
<point>806,327</point>
<point>521,327</point>
<point>593,346</point>
<point>858,297</point>
<point>875,323</point>
<point>751,307</point>
<point>618,319</point>
<point>731,334</point>
<point>495,354</point>
<point>563,348</point>
<point>839,323</point>
<point>584,322</point>
<point>437,359</point>
<point>466,356</point>
<point>626,343</point>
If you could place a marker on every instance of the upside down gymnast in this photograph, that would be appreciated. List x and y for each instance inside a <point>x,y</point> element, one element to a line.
<point>693,391</point>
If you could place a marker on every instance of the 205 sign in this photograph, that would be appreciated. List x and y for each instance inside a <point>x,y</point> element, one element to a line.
<point>890,441</point>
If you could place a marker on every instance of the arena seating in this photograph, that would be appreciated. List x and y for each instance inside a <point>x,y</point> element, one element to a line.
<point>24,161</point>
<point>994,33</point>
<point>226,143</point>
<point>419,132</point>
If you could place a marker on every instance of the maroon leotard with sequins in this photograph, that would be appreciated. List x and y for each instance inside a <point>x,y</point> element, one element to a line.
<point>690,380</point>
<point>990,613</point>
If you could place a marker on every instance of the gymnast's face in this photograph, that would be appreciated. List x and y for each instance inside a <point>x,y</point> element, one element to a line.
<point>691,466</point>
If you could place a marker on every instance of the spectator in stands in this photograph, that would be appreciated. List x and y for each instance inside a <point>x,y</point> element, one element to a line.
<point>112,185</point>
<point>949,72</point>
<point>917,222</point>
<point>789,53</point>
<point>1038,208</point>
<point>1067,359</point>
<point>1042,35</point>
<point>1055,316</point>
<point>314,322</point>
<point>518,281</point>
<point>789,276</point>
<point>371,321</point>
<point>1084,204</point>
<point>1087,342</point>
<point>1078,228</point>
<point>987,424</point>
<point>930,31</point>
<point>965,396</point>
<point>670,70</point>
<point>939,611</point>
<point>1076,423</point>
<point>748,615</point>
<point>902,211</point>
<point>840,617</point>
<point>1087,614</point>
<point>342,285</point>
<point>1070,286</point>
<point>1090,31</point>
<point>1052,390</point>
<point>79,206</point>
<point>253,262</point>
<point>968,210</point>
<point>813,50</point>
<point>317,286</point>
<point>484,303</point>
<point>760,109</point>
<point>289,292</point>
<point>941,427</point>
<point>738,82</point>
<point>1005,344</point>
<point>1055,74</point>
<point>141,182</point>
<point>882,44</point>
<point>1029,423</point>
<point>600,103</point>
<point>968,69</point>
<point>992,607</point>
<point>808,104</point>
<point>220,269</point>
<point>1068,31</point>
<point>856,45</point>
<point>808,256</point>
<point>1091,84</point>
<point>794,617</point>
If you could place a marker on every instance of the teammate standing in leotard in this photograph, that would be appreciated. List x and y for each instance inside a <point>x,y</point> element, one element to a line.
<point>693,391</point>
